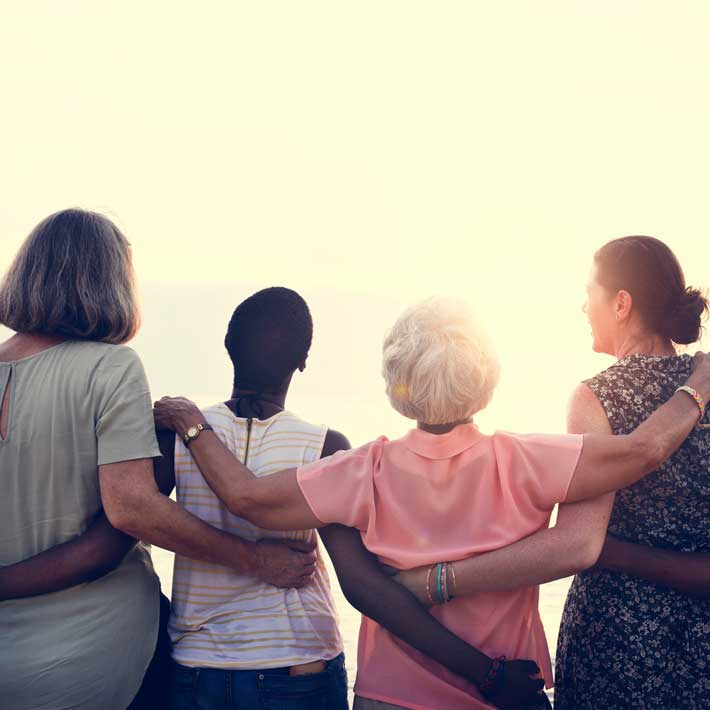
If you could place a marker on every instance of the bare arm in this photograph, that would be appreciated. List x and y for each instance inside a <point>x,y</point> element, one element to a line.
<point>686,572</point>
<point>608,463</point>
<point>134,504</point>
<point>94,553</point>
<point>273,502</point>
<point>89,556</point>
<point>572,545</point>
<point>378,597</point>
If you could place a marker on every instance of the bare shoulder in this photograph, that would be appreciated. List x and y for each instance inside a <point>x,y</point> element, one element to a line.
<point>334,441</point>
<point>585,413</point>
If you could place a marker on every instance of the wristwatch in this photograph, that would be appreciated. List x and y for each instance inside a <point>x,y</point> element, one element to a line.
<point>193,432</point>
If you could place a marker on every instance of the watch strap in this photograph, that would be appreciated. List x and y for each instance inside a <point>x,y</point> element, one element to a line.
<point>187,439</point>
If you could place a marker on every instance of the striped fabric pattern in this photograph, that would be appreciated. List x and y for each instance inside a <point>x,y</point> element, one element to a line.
<point>223,619</point>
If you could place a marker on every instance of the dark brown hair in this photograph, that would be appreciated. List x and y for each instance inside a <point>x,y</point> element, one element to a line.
<point>72,277</point>
<point>650,272</point>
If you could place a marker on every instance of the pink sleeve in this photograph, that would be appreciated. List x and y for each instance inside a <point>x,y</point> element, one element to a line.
<point>339,488</point>
<point>537,469</point>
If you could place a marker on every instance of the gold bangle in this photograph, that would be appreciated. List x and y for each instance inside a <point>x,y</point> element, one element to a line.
<point>453,579</point>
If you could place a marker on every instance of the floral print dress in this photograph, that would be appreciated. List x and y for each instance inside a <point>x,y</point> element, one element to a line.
<point>625,642</point>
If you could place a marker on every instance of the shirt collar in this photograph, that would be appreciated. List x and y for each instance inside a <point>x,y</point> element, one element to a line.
<point>442,446</point>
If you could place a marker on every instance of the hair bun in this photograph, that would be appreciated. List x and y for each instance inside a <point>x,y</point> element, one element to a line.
<point>683,322</point>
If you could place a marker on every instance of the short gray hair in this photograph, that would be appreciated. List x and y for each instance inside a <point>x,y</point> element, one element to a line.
<point>439,366</point>
<point>72,277</point>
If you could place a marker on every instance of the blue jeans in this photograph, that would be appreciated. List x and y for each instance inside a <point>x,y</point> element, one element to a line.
<point>270,689</point>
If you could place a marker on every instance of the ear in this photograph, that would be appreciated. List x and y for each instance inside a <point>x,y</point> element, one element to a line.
<point>623,305</point>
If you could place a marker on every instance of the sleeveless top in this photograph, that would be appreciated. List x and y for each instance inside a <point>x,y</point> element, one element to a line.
<point>625,642</point>
<point>221,618</point>
<point>73,407</point>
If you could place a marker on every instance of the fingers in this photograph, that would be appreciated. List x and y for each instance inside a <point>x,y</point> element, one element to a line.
<point>527,666</point>
<point>538,683</point>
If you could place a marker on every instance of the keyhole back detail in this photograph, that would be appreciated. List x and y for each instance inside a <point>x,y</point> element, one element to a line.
<point>5,399</point>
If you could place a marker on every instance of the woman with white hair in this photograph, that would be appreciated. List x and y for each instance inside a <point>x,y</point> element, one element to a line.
<point>444,491</point>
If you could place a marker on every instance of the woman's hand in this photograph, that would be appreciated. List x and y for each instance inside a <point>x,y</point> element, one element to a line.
<point>176,414</point>
<point>521,688</point>
<point>286,563</point>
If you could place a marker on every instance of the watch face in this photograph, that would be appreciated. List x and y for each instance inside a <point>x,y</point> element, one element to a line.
<point>192,432</point>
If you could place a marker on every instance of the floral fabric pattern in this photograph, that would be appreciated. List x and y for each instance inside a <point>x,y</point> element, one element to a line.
<point>625,642</point>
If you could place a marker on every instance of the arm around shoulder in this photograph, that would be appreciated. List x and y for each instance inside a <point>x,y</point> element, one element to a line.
<point>574,544</point>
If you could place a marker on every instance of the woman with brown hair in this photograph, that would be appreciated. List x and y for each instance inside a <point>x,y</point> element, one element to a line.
<point>636,629</point>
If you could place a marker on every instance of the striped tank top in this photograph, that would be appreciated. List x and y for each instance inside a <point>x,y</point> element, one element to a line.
<point>223,619</point>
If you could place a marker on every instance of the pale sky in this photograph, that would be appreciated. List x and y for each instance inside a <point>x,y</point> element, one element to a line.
<point>367,154</point>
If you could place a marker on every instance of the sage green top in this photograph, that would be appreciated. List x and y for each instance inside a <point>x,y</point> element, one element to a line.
<point>73,407</point>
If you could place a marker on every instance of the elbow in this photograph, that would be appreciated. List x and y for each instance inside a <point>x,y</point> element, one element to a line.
<point>355,593</point>
<point>357,599</point>
<point>588,554</point>
<point>244,504</point>
<point>126,516</point>
<point>583,552</point>
<point>242,507</point>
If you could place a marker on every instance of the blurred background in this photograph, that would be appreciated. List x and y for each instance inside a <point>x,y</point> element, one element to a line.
<point>367,155</point>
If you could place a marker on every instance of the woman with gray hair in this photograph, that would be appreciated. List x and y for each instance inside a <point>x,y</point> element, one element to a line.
<point>75,420</point>
<point>444,491</point>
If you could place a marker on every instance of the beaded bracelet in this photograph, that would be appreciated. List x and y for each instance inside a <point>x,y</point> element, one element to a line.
<point>439,592</point>
<point>698,400</point>
<point>429,597</point>
<point>696,397</point>
<point>443,595</point>
<point>494,677</point>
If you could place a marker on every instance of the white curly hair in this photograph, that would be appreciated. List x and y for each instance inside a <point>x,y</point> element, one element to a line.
<point>438,363</point>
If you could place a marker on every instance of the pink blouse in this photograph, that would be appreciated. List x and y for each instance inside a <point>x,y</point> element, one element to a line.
<point>426,498</point>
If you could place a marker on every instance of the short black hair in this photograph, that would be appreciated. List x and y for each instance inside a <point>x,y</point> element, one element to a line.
<point>268,337</point>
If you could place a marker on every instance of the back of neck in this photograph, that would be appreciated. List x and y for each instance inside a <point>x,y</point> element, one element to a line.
<point>646,344</point>
<point>22,345</point>
<point>253,404</point>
